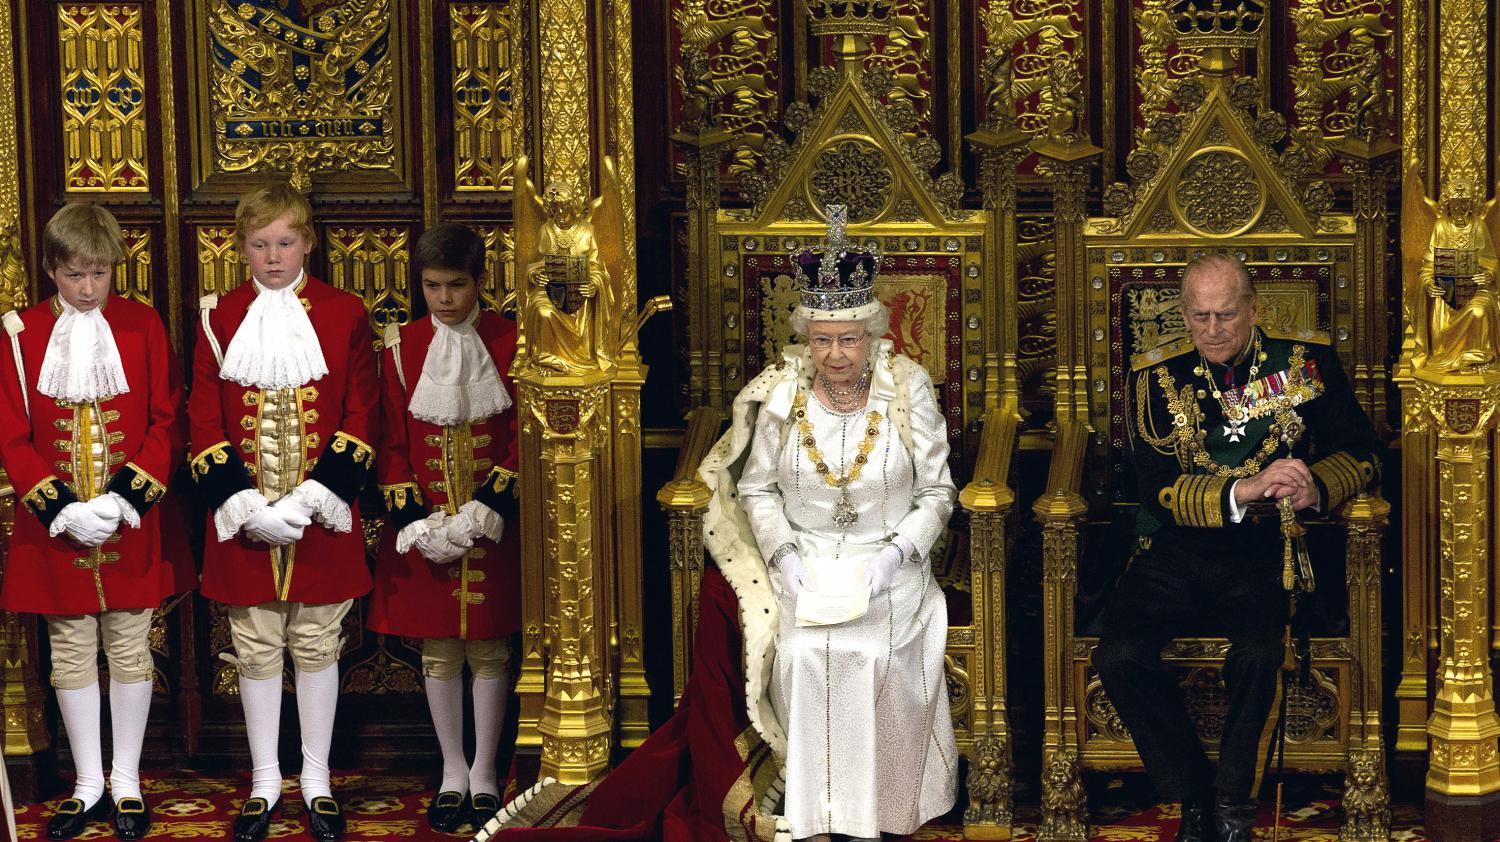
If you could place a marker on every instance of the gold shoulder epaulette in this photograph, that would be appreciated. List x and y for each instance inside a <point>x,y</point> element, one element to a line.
<point>1165,351</point>
<point>1317,337</point>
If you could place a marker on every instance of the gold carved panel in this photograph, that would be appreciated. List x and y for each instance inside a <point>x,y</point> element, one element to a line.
<point>1343,76</point>
<point>907,53</point>
<point>726,66</point>
<point>133,274</point>
<point>220,268</point>
<point>916,302</point>
<point>101,59</point>
<point>483,105</point>
<point>374,263</point>
<point>499,292</point>
<point>1020,42</point>
<point>299,87</point>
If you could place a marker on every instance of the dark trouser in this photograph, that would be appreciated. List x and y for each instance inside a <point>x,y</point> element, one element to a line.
<point>1163,595</point>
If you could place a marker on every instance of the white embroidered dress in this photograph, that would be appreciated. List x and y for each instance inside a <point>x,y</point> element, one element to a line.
<point>869,738</point>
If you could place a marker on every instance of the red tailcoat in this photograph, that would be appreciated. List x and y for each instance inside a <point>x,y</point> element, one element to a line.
<point>414,597</point>
<point>339,420</point>
<point>143,434</point>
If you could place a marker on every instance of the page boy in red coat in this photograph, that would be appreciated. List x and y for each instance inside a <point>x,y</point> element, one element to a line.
<point>91,415</point>
<point>282,414</point>
<point>451,574</point>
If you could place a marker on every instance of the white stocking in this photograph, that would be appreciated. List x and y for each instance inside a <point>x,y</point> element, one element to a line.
<point>490,696</point>
<point>445,698</point>
<point>80,713</point>
<point>317,702</point>
<point>129,708</point>
<point>262,700</point>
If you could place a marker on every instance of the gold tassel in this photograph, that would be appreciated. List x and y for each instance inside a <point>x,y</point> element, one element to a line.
<point>1291,537</point>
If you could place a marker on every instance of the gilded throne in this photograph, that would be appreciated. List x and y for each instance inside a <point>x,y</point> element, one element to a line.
<point>1211,178</point>
<point>859,146</point>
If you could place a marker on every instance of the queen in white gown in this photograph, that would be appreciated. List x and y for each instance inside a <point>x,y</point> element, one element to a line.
<point>846,487</point>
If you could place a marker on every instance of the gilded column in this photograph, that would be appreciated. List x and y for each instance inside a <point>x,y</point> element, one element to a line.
<point>1464,773</point>
<point>574,723</point>
<point>625,398</point>
<point>1070,164</point>
<point>563,89</point>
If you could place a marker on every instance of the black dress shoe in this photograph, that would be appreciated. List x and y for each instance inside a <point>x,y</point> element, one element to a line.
<point>482,808</point>
<point>70,818</point>
<point>132,818</point>
<point>1197,823</point>
<point>447,811</point>
<point>325,819</point>
<point>254,820</point>
<point>1235,820</point>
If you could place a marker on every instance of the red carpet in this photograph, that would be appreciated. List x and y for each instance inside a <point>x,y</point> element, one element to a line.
<point>382,806</point>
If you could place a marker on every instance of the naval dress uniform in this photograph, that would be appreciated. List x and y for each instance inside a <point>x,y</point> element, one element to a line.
<point>1204,564</point>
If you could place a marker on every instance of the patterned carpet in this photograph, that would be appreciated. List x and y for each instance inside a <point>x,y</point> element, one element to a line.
<point>383,806</point>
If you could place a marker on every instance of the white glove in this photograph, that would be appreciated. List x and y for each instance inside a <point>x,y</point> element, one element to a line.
<point>882,569</point>
<point>475,520</point>
<point>440,546</point>
<point>791,573</point>
<point>109,511</point>
<point>275,527</point>
<point>111,505</point>
<point>293,509</point>
<point>83,526</point>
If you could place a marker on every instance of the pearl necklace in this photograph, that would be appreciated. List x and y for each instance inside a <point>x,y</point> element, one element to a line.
<point>846,400</point>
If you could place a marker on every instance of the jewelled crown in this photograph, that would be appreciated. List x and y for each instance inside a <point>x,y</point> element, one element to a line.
<point>836,274</point>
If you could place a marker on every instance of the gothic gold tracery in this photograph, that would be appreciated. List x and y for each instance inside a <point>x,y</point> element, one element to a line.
<point>103,96</point>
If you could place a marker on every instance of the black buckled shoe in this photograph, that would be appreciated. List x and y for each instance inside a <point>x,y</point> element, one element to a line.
<point>1197,823</point>
<point>482,808</point>
<point>254,820</point>
<point>132,818</point>
<point>1235,820</point>
<point>447,811</point>
<point>325,819</point>
<point>71,818</point>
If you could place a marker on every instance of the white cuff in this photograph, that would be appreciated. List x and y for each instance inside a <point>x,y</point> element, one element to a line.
<point>410,534</point>
<point>64,519</point>
<point>232,513</point>
<point>1236,514</point>
<point>327,507</point>
<point>128,515</point>
<point>488,521</point>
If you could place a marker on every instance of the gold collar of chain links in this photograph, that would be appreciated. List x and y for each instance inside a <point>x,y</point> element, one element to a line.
<point>805,429</point>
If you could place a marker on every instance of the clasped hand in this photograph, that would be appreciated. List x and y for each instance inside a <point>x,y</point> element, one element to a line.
<point>445,540</point>
<point>90,524</point>
<point>1282,478</point>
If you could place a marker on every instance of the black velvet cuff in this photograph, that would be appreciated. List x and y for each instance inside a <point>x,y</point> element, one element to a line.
<point>344,466</point>
<point>219,474</point>
<point>500,492</point>
<point>48,498</point>
<point>403,501</point>
<point>139,488</point>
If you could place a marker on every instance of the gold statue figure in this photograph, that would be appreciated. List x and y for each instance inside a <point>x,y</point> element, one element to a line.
<point>1459,244</point>
<point>571,273</point>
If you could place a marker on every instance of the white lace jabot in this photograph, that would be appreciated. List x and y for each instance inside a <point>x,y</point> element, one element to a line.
<point>459,381</point>
<point>82,361</point>
<point>275,346</point>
